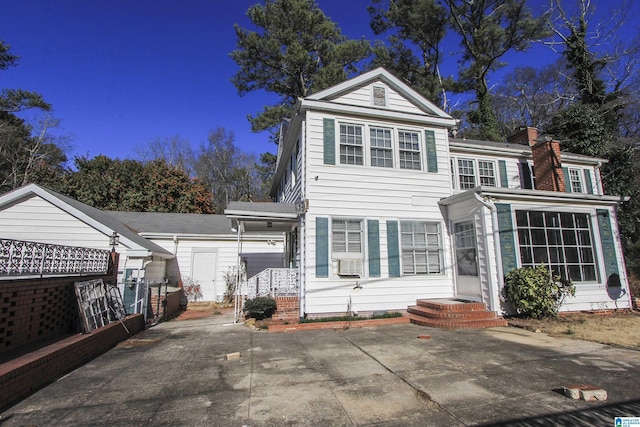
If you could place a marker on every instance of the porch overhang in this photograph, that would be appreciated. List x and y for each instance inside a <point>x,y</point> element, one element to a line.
<point>262,216</point>
<point>547,197</point>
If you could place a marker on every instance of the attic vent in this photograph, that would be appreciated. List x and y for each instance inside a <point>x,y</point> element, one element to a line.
<point>379,96</point>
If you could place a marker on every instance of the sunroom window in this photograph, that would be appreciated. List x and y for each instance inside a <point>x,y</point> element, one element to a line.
<point>561,240</point>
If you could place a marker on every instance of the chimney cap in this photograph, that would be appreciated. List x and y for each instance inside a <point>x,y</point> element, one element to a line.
<point>544,138</point>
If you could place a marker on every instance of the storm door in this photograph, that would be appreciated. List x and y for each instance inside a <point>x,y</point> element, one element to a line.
<point>466,258</point>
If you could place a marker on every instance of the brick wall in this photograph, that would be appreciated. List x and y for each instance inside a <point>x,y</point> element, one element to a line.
<point>34,310</point>
<point>24,375</point>
<point>288,309</point>
<point>165,306</point>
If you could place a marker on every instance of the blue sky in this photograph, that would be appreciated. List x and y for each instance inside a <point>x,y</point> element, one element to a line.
<point>122,72</point>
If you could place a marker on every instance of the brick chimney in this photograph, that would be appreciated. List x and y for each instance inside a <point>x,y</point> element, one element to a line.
<point>546,158</point>
<point>547,164</point>
<point>524,136</point>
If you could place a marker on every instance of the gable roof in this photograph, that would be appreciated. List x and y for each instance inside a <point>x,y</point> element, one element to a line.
<point>91,216</point>
<point>382,75</point>
<point>174,223</point>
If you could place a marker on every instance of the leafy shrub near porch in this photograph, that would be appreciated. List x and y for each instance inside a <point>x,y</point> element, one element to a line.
<point>260,307</point>
<point>535,292</point>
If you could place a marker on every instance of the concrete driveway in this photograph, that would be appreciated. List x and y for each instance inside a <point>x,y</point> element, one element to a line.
<point>177,373</point>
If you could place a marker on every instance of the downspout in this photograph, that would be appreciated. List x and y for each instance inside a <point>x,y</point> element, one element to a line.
<point>496,243</point>
<point>236,302</point>
<point>302,244</point>
<point>175,245</point>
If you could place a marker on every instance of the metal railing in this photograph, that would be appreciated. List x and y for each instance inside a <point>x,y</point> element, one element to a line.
<point>273,282</point>
<point>22,258</point>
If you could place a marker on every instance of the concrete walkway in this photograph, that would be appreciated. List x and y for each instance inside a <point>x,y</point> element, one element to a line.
<point>177,374</point>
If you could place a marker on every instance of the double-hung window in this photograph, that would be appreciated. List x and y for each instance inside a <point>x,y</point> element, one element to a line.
<point>561,240</point>
<point>346,237</point>
<point>466,174</point>
<point>421,247</point>
<point>351,149</point>
<point>575,179</point>
<point>409,150</point>
<point>381,147</point>
<point>487,173</point>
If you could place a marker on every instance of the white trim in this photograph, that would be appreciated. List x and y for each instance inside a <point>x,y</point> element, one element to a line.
<point>510,194</point>
<point>33,189</point>
<point>380,74</point>
<point>373,113</point>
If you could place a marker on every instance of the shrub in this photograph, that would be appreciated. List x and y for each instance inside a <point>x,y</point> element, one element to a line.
<point>260,307</point>
<point>536,292</point>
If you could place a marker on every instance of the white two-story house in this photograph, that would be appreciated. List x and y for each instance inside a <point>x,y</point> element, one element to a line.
<point>382,207</point>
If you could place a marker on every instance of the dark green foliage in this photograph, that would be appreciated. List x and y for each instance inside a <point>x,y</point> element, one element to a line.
<point>598,122</point>
<point>260,308</point>
<point>130,185</point>
<point>415,30</point>
<point>25,152</point>
<point>296,50</point>
<point>536,292</point>
<point>489,29</point>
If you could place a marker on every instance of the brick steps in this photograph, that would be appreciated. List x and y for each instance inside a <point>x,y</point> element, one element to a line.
<point>451,314</point>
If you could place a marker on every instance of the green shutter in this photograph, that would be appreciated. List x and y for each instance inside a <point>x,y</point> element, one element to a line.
<point>587,181</point>
<point>507,240</point>
<point>608,245</point>
<point>329,138</point>
<point>504,179</point>
<point>322,247</point>
<point>393,249</point>
<point>373,228</point>
<point>432,156</point>
<point>567,180</point>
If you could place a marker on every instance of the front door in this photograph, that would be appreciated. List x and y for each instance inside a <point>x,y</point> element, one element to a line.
<point>466,256</point>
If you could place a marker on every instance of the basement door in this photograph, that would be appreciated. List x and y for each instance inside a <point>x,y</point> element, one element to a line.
<point>203,271</point>
<point>466,259</point>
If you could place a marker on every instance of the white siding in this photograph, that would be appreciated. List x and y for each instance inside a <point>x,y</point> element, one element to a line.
<point>259,255</point>
<point>363,97</point>
<point>375,193</point>
<point>35,219</point>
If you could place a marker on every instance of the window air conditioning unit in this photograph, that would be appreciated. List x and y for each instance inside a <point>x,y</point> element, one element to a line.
<point>350,267</point>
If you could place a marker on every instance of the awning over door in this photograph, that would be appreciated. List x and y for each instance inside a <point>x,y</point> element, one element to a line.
<point>263,216</point>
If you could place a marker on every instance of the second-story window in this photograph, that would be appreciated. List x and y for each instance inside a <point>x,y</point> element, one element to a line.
<point>409,150</point>
<point>487,173</point>
<point>351,144</point>
<point>381,148</point>
<point>575,178</point>
<point>466,174</point>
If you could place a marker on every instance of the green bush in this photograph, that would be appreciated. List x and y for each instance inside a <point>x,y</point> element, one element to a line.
<point>260,307</point>
<point>536,292</point>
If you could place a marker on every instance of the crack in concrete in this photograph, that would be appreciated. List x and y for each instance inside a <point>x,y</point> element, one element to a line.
<point>419,392</point>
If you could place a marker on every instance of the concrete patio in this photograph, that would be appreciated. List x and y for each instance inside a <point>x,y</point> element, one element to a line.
<point>177,373</point>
